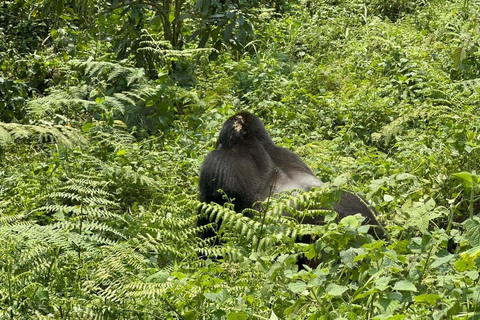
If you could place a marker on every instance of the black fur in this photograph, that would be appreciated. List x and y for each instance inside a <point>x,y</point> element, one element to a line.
<point>248,166</point>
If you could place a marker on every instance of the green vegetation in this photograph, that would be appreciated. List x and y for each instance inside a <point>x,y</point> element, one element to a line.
<point>107,109</point>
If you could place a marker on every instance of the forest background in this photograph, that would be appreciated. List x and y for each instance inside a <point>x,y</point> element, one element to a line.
<point>108,108</point>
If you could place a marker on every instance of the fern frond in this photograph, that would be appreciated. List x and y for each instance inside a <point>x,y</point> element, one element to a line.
<point>116,104</point>
<point>83,187</point>
<point>158,246</point>
<point>8,220</point>
<point>5,136</point>
<point>102,228</point>
<point>49,105</point>
<point>101,214</point>
<point>68,136</point>
<point>147,290</point>
<point>399,124</point>
<point>66,196</point>
<point>112,71</point>
<point>125,98</point>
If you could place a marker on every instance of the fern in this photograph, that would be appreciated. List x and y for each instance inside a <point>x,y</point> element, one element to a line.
<point>125,101</point>
<point>168,236</point>
<point>277,225</point>
<point>112,71</point>
<point>464,94</point>
<point>65,105</point>
<point>7,220</point>
<point>82,205</point>
<point>113,92</point>
<point>10,132</point>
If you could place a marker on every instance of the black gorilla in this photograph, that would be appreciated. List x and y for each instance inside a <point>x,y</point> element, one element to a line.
<point>249,167</point>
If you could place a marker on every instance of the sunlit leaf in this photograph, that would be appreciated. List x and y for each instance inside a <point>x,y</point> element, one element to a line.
<point>404,285</point>
<point>335,290</point>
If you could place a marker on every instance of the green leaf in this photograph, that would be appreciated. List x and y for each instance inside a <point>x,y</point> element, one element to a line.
<point>363,229</point>
<point>241,20</point>
<point>464,176</point>
<point>87,127</point>
<point>211,296</point>
<point>158,277</point>
<point>335,290</point>
<point>171,15</point>
<point>430,298</point>
<point>266,291</point>
<point>388,198</point>
<point>404,285</point>
<point>183,17</point>
<point>41,294</point>
<point>469,180</point>
<point>375,185</point>
<point>156,21</point>
<point>217,297</point>
<point>440,261</point>
<point>472,227</point>
<point>382,283</point>
<point>60,6</point>
<point>472,275</point>
<point>227,34</point>
<point>190,315</point>
<point>121,152</point>
<point>364,294</point>
<point>467,259</point>
<point>297,287</point>
<point>462,265</point>
<point>59,215</point>
<point>340,181</point>
<point>458,56</point>
<point>404,176</point>
<point>388,306</point>
<point>204,39</point>
<point>236,316</point>
<point>349,221</point>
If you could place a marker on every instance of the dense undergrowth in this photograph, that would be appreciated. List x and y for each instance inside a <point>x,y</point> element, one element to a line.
<point>107,110</point>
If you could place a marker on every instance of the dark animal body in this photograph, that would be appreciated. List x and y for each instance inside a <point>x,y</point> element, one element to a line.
<point>248,167</point>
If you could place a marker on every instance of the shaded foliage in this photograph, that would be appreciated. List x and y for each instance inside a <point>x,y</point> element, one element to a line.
<point>105,116</point>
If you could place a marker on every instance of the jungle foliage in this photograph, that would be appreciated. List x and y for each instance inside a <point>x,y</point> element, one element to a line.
<point>108,107</point>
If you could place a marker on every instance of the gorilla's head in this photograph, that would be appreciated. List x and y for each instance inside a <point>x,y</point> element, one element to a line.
<point>242,128</point>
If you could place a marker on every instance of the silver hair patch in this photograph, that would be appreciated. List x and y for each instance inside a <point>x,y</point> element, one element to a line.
<point>238,123</point>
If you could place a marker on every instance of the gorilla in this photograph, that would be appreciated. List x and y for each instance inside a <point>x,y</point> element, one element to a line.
<point>248,167</point>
